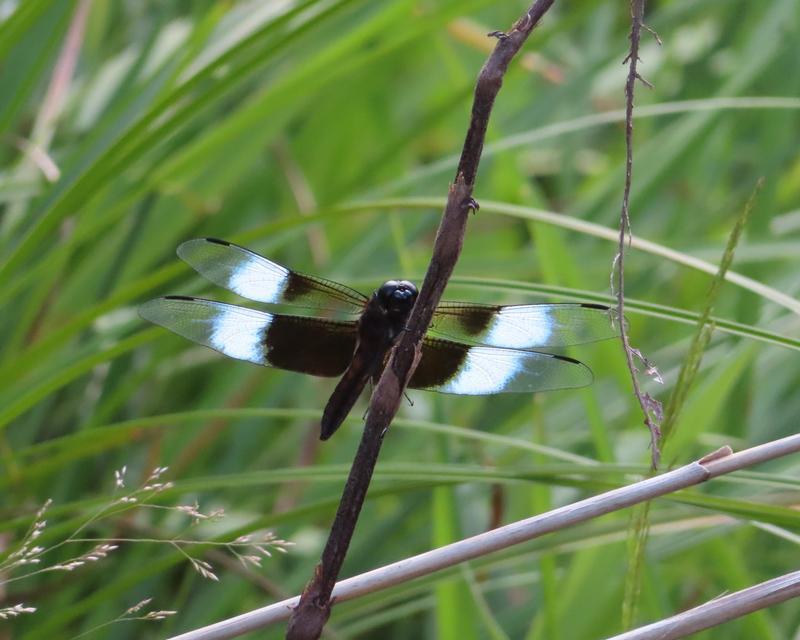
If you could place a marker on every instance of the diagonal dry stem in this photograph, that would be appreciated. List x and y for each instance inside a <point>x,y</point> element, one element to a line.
<point>314,608</point>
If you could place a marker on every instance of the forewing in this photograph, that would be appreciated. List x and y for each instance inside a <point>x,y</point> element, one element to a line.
<point>451,367</point>
<point>295,343</point>
<point>524,326</point>
<point>255,277</point>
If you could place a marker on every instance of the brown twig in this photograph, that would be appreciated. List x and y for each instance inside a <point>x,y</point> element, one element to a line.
<point>314,607</point>
<point>650,407</point>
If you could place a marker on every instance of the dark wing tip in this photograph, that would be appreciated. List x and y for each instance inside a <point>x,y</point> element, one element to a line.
<point>593,305</point>
<point>565,359</point>
<point>224,243</point>
<point>587,370</point>
<point>178,298</point>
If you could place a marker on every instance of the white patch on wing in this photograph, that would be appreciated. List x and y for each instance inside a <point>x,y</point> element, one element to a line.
<point>239,335</point>
<point>251,280</point>
<point>520,327</point>
<point>482,375</point>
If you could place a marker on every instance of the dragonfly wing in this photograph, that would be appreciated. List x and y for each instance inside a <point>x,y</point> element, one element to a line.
<point>524,326</point>
<point>255,277</point>
<point>295,343</point>
<point>452,367</point>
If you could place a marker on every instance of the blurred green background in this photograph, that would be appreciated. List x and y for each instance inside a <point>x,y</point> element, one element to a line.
<point>322,134</point>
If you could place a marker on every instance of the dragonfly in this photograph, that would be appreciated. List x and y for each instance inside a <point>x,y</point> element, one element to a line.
<point>470,348</point>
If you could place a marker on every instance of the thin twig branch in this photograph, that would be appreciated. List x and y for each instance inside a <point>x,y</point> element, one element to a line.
<point>648,405</point>
<point>719,610</point>
<point>314,608</point>
<point>711,466</point>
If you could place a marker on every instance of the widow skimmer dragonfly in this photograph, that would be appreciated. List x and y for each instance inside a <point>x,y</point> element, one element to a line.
<point>471,349</point>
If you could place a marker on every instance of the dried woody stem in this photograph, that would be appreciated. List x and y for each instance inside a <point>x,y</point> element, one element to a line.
<point>719,610</point>
<point>314,607</point>
<point>647,404</point>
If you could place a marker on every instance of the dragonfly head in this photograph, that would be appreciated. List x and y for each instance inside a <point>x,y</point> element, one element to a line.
<point>397,296</point>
